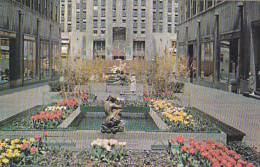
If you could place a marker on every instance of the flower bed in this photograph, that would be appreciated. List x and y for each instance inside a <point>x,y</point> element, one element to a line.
<point>205,153</point>
<point>180,119</point>
<point>42,117</point>
<point>21,151</point>
<point>77,94</point>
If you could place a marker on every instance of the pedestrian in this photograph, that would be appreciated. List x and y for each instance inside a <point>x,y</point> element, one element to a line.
<point>251,83</point>
<point>133,84</point>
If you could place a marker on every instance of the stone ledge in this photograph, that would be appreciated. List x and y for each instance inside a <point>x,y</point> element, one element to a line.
<point>71,118</point>
<point>158,121</point>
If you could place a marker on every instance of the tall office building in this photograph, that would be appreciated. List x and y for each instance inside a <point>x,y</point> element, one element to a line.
<point>220,40</point>
<point>29,41</point>
<point>118,29</point>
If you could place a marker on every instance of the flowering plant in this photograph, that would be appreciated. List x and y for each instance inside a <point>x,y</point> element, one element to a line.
<point>107,150</point>
<point>21,151</point>
<point>70,103</point>
<point>205,153</point>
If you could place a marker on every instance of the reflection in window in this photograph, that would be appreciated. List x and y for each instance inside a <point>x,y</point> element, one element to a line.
<point>29,70</point>
<point>228,60</point>
<point>4,60</point>
<point>45,61</point>
<point>55,60</point>
<point>207,61</point>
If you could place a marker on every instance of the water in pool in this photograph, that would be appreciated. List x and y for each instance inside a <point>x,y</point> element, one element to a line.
<point>83,122</point>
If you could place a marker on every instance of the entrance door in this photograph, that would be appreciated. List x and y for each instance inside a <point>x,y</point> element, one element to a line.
<point>256,36</point>
<point>190,62</point>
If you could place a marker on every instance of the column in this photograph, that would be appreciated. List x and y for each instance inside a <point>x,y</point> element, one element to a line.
<point>187,50</point>
<point>89,30</point>
<point>38,43</point>
<point>216,49</point>
<point>199,52</point>
<point>149,49</point>
<point>50,51</point>
<point>16,61</point>
<point>129,30</point>
<point>109,29</point>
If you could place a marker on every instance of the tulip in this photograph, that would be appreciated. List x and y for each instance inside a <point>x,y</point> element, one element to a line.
<point>45,133</point>
<point>33,150</point>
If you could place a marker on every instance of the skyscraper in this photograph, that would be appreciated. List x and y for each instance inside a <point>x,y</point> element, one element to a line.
<point>118,29</point>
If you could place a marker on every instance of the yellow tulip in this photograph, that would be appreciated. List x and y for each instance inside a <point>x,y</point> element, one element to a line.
<point>7,140</point>
<point>32,140</point>
<point>3,154</point>
<point>186,122</point>
<point>1,157</point>
<point>12,142</point>
<point>12,147</point>
<point>18,146</point>
<point>17,140</point>
<point>5,160</point>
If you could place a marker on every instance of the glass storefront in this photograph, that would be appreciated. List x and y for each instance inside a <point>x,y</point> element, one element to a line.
<point>4,60</point>
<point>228,60</point>
<point>29,60</point>
<point>207,61</point>
<point>45,60</point>
<point>55,61</point>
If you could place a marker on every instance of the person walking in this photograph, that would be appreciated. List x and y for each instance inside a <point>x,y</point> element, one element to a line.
<point>133,84</point>
<point>251,83</point>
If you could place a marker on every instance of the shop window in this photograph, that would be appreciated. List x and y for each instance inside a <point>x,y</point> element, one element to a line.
<point>4,60</point>
<point>29,60</point>
<point>207,61</point>
<point>45,61</point>
<point>228,60</point>
<point>55,61</point>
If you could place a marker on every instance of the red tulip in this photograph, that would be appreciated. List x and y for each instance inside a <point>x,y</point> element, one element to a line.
<point>33,150</point>
<point>37,137</point>
<point>180,139</point>
<point>192,151</point>
<point>45,133</point>
<point>172,141</point>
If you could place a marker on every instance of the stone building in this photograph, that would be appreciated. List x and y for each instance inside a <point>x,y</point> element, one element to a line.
<point>29,41</point>
<point>118,29</point>
<point>220,42</point>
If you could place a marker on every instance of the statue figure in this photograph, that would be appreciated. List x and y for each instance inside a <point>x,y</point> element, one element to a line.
<point>113,123</point>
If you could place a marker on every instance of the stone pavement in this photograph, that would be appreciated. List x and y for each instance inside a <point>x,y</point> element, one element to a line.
<point>14,101</point>
<point>235,110</point>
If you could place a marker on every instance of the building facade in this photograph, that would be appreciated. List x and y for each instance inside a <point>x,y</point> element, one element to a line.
<point>220,42</point>
<point>29,41</point>
<point>117,29</point>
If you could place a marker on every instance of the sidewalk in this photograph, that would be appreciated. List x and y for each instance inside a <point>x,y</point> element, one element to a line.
<point>14,101</point>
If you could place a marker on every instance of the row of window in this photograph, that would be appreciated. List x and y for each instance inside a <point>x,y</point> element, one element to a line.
<point>45,7</point>
<point>190,8</point>
<point>29,60</point>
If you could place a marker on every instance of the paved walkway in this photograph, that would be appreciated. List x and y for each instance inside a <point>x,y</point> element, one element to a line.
<point>16,100</point>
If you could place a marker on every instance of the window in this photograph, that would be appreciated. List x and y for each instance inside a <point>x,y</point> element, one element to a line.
<point>124,13</point>
<point>29,60</point>
<point>135,14</point>
<point>143,13</point>
<point>78,5</point>
<point>160,28</point>
<point>95,13</point>
<point>103,13</point>
<point>154,28</point>
<point>228,60</point>
<point>161,4</point>
<point>84,27</point>
<point>135,2</point>
<point>45,61</point>
<point>95,2</point>
<point>103,2</point>
<point>69,27</point>
<point>95,24</point>
<point>4,60</point>
<point>169,28</point>
<point>143,2</point>
<point>135,24</point>
<point>103,23</point>
<point>55,60</point>
<point>209,3</point>
<point>161,16</point>
<point>207,62</point>
<point>77,26</point>
<point>143,25</point>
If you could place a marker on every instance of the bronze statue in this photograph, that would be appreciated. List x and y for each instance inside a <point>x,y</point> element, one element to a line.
<point>113,122</point>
